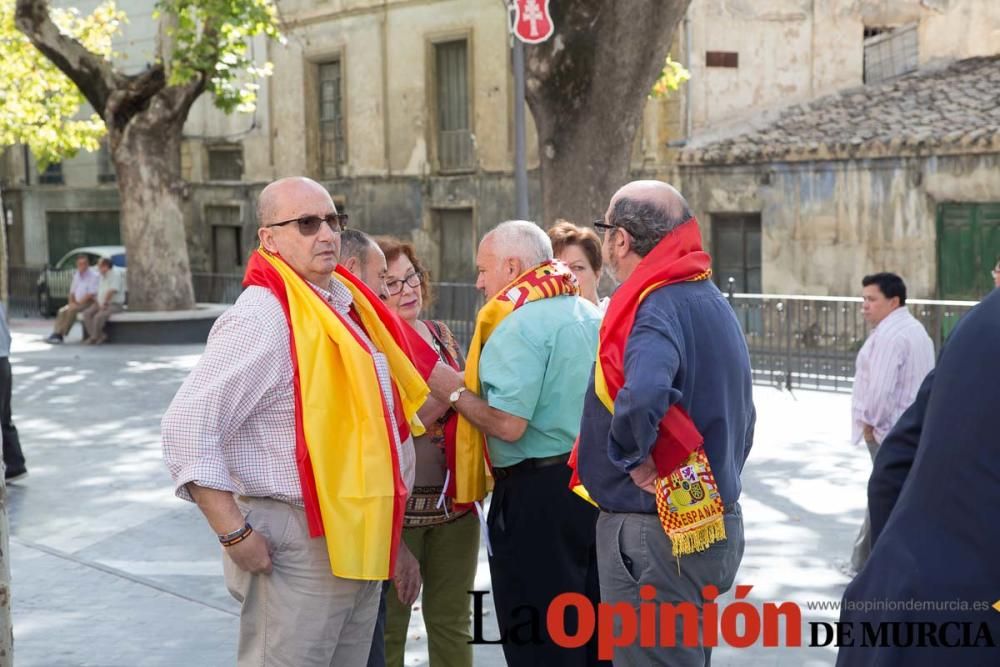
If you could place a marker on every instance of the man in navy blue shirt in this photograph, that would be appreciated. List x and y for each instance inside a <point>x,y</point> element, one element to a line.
<point>933,496</point>
<point>685,348</point>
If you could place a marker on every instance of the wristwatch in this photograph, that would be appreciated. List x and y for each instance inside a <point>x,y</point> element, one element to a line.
<point>455,395</point>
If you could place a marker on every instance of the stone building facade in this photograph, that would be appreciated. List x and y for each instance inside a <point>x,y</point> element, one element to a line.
<point>404,110</point>
<point>901,176</point>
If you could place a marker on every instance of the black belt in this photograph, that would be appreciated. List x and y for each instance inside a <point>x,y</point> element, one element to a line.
<point>529,464</point>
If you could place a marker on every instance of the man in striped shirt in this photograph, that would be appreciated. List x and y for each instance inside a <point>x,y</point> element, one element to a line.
<point>894,360</point>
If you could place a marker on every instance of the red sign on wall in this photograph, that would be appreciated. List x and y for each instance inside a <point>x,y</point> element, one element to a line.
<point>533,23</point>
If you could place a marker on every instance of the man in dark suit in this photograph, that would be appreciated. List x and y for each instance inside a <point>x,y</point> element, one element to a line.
<point>934,495</point>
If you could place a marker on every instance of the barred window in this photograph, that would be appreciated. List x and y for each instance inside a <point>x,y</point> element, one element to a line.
<point>331,118</point>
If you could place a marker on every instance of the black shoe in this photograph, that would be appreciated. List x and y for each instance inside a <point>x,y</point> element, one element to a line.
<point>15,475</point>
<point>54,338</point>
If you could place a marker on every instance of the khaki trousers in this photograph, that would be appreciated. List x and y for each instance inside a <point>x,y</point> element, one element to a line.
<point>300,615</point>
<point>66,317</point>
<point>863,542</point>
<point>94,319</point>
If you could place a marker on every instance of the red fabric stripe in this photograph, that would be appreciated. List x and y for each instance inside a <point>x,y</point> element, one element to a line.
<point>679,257</point>
<point>417,351</point>
<point>261,274</point>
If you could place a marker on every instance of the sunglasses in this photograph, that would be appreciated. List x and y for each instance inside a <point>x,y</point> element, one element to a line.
<point>309,224</point>
<point>396,286</point>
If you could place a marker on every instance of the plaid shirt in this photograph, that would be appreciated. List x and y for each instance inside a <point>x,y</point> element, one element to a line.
<point>231,425</point>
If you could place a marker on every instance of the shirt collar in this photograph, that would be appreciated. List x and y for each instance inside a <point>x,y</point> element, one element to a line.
<point>336,294</point>
<point>895,314</point>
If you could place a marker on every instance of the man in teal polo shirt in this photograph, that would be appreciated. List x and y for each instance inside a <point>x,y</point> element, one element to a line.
<point>533,371</point>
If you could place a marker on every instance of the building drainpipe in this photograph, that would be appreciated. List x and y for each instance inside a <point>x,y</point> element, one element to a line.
<point>687,63</point>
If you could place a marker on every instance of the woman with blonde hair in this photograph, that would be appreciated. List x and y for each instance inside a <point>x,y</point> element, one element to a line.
<point>443,537</point>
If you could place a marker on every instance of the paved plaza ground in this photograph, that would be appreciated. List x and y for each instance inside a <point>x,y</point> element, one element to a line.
<point>111,570</point>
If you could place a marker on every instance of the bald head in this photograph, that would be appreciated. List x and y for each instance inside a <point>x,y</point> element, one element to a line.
<point>277,195</point>
<point>648,210</point>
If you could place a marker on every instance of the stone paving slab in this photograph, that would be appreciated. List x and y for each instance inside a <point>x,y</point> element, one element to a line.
<point>111,570</point>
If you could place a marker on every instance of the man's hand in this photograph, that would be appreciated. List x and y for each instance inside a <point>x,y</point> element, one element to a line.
<point>443,380</point>
<point>407,576</point>
<point>644,476</point>
<point>251,555</point>
<point>869,432</point>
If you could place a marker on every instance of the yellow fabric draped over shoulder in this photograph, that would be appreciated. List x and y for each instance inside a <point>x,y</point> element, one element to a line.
<point>344,420</point>
<point>549,279</point>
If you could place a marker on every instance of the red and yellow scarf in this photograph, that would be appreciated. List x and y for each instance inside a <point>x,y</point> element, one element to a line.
<point>687,497</point>
<point>345,448</point>
<point>549,279</point>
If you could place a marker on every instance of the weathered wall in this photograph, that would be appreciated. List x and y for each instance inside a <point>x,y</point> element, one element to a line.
<point>796,50</point>
<point>385,54</point>
<point>825,225</point>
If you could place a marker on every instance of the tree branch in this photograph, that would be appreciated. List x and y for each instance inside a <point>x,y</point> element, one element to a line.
<point>94,76</point>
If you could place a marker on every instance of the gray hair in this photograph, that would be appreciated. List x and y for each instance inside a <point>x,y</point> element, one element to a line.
<point>522,240</point>
<point>647,222</point>
<point>355,243</point>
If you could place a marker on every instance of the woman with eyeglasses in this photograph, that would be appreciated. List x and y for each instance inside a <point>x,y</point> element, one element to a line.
<point>443,538</point>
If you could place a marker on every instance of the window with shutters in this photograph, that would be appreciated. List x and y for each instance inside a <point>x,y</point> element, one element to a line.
<point>455,150</point>
<point>889,52</point>
<point>968,247</point>
<point>457,244</point>
<point>105,167</point>
<point>67,230</point>
<point>225,162</point>
<point>736,251</point>
<point>53,174</point>
<point>331,118</point>
<point>227,238</point>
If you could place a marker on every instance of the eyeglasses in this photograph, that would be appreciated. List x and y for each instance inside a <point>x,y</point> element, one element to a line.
<point>310,224</point>
<point>414,280</point>
<point>603,227</point>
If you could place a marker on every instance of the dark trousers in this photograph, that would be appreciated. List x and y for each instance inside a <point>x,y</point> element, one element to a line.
<point>544,543</point>
<point>13,458</point>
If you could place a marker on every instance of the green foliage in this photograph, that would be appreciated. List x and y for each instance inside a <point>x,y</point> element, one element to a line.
<point>212,37</point>
<point>39,105</point>
<point>671,77</point>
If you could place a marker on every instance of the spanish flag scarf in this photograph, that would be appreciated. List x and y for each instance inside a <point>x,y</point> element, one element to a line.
<point>549,279</point>
<point>687,498</point>
<point>345,448</point>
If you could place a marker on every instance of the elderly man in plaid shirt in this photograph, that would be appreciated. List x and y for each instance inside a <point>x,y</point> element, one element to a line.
<point>229,441</point>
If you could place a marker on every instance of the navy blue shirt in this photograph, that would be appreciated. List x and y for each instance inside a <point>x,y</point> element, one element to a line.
<point>686,348</point>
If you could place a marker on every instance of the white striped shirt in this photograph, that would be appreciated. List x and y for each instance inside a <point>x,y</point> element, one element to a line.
<point>890,367</point>
<point>231,425</point>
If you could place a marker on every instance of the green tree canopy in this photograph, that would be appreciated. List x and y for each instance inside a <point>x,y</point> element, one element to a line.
<point>39,105</point>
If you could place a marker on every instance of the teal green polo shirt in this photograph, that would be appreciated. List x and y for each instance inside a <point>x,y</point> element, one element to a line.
<point>536,366</point>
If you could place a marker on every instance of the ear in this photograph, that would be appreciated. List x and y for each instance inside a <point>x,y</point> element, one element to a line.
<point>514,267</point>
<point>266,237</point>
<point>622,243</point>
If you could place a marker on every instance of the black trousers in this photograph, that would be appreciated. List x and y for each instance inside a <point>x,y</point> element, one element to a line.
<point>544,543</point>
<point>12,457</point>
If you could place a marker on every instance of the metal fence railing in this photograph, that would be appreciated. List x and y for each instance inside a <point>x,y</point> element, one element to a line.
<point>811,342</point>
<point>217,287</point>
<point>807,342</point>
<point>22,289</point>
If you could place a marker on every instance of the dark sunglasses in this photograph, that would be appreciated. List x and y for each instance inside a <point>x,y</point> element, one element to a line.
<point>396,286</point>
<point>310,224</point>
